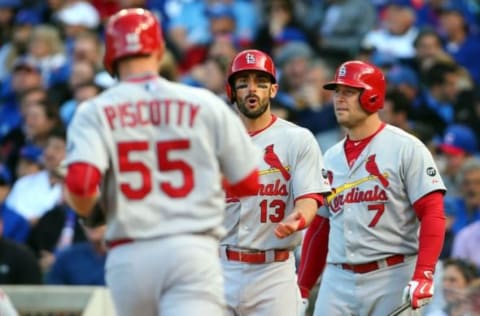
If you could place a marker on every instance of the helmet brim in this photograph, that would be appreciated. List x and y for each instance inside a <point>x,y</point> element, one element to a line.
<point>333,84</point>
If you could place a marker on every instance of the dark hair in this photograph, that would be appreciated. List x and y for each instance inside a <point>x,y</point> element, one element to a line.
<point>427,32</point>
<point>435,75</point>
<point>467,269</point>
<point>58,132</point>
<point>287,4</point>
<point>400,102</point>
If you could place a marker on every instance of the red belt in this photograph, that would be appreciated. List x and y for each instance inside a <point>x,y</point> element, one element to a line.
<point>257,257</point>
<point>375,265</point>
<point>118,242</point>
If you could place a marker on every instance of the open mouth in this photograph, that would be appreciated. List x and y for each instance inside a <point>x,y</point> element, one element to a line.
<point>252,101</point>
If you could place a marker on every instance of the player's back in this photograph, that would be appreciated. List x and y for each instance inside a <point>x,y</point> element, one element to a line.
<point>163,173</point>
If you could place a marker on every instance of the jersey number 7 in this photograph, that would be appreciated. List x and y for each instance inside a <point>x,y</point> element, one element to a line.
<point>164,164</point>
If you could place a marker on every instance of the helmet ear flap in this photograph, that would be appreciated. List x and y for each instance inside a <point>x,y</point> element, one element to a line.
<point>370,101</point>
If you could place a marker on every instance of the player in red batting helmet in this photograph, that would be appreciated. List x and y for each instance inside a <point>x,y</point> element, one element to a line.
<point>250,59</point>
<point>131,32</point>
<point>373,156</point>
<point>370,79</point>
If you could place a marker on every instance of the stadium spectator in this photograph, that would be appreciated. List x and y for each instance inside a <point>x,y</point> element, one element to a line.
<point>457,275</point>
<point>82,263</point>
<point>467,206</point>
<point>24,22</point>
<point>18,264</point>
<point>458,146</point>
<point>26,75</point>
<point>436,105</point>
<point>459,43</point>
<point>33,195</point>
<point>29,161</point>
<point>340,26</point>
<point>15,226</point>
<point>396,33</point>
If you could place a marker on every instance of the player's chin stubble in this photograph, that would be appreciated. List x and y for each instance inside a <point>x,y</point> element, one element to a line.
<point>253,114</point>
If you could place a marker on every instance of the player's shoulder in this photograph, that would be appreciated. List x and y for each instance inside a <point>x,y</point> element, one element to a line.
<point>399,136</point>
<point>291,128</point>
<point>198,94</point>
<point>335,149</point>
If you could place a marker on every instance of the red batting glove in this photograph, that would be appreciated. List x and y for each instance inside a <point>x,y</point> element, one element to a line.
<point>419,291</point>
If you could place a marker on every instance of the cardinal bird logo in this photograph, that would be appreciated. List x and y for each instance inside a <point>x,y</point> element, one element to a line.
<point>372,169</point>
<point>273,161</point>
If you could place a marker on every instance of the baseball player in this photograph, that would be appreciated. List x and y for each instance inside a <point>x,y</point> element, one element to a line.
<point>155,152</point>
<point>263,229</point>
<point>384,223</point>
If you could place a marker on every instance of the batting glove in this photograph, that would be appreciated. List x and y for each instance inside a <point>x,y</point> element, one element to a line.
<point>419,291</point>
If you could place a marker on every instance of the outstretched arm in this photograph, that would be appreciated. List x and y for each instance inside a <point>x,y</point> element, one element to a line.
<point>305,209</point>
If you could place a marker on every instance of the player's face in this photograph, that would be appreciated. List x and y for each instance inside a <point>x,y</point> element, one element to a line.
<point>253,91</point>
<point>346,102</point>
<point>453,283</point>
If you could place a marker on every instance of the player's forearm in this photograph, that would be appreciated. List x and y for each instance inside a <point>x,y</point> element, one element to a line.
<point>314,254</point>
<point>82,205</point>
<point>307,206</point>
<point>432,232</point>
<point>430,245</point>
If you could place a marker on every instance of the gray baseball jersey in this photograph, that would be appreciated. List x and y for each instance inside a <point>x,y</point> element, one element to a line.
<point>291,168</point>
<point>370,208</point>
<point>162,148</point>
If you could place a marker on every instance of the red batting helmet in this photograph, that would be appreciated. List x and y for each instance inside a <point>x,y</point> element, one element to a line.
<point>131,32</point>
<point>359,74</point>
<point>250,59</point>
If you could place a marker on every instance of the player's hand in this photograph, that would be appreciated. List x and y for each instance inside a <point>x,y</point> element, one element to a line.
<point>303,306</point>
<point>291,224</point>
<point>419,291</point>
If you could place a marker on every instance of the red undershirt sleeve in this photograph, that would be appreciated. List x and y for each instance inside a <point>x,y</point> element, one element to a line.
<point>429,210</point>
<point>248,186</point>
<point>83,179</point>
<point>314,254</point>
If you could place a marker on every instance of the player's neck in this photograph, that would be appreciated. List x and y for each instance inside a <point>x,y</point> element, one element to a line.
<point>366,128</point>
<point>260,123</point>
<point>137,68</point>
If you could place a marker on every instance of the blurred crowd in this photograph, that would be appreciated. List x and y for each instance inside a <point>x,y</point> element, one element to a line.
<point>51,61</point>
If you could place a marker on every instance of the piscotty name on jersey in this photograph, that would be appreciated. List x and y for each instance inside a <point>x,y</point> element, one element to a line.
<point>151,112</point>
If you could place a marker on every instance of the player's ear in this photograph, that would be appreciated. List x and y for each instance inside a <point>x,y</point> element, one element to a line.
<point>273,90</point>
<point>230,91</point>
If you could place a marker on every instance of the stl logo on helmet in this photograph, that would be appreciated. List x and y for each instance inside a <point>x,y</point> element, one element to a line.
<point>133,42</point>
<point>342,72</point>
<point>250,58</point>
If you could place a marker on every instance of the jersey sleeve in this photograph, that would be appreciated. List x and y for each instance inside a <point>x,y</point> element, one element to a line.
<point>237,154</point>
<point>85,138</point>
<point>308,168</point>
<point>420,173</point>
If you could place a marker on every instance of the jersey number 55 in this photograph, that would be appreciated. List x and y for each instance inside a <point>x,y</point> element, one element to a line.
<point>164,164</point>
